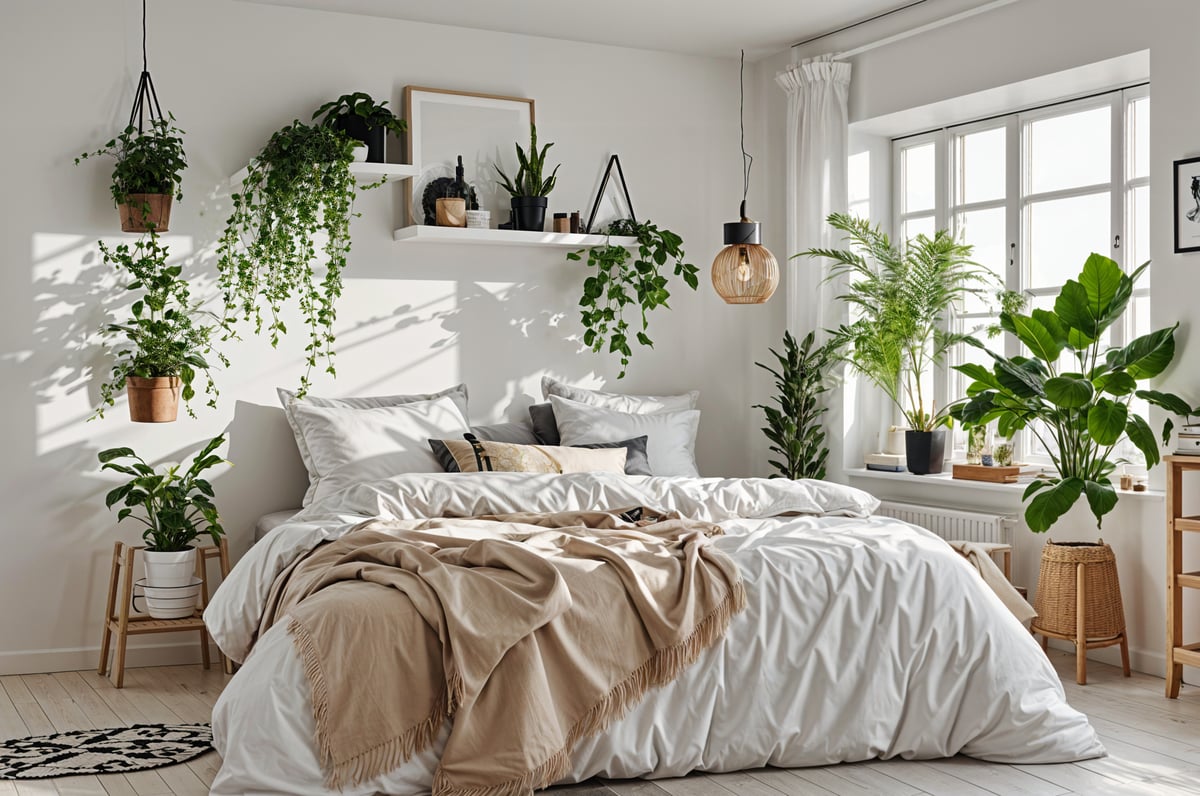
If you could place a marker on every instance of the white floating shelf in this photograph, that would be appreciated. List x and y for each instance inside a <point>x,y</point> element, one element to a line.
<point>505,237</point>
<point>365,172</point>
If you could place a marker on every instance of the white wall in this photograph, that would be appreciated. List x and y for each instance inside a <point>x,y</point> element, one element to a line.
<point>414,317</point>
<point>1021,42</point>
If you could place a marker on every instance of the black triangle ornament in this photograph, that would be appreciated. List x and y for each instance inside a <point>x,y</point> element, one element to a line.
<point>612,161</point>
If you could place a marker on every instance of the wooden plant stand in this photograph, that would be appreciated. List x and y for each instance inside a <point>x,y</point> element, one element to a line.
<point>118,619</point>
<point>1178,652</point>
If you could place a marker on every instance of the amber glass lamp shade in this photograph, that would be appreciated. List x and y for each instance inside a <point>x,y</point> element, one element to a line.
<point>745,271</point>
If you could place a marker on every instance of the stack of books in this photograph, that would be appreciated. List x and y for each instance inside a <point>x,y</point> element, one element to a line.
<point>886,462</point>
<point>1189,440</point>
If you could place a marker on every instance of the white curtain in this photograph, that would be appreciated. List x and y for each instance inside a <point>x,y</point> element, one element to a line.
<point>818,131</point>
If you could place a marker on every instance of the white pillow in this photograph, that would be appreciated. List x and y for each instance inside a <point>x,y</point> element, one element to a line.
<point>670,436</point>
<point>349,446</point>
<point>457,393</point>
<point>637,404</point>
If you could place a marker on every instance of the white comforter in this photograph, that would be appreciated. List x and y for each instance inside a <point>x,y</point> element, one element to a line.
<point>863,637</point>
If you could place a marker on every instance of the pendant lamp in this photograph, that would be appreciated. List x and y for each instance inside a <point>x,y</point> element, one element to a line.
<point>745,271</point>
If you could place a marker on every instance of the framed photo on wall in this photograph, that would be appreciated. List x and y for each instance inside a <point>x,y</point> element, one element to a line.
<point>1187,205</point>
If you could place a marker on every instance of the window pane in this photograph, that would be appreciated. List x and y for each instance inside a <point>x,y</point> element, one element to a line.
<point>911,228</point>
<point>981,176</point>
<point>1139,323</point>
<point>985,230</point>
<point>1139,138</point>
<point>1138,208</point>
<point>1062,233</point>
<point>1070,151</point>
<point>918,175</point>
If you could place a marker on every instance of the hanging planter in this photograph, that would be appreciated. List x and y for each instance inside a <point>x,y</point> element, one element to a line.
<point>150,159</point>
<point>154,399</point>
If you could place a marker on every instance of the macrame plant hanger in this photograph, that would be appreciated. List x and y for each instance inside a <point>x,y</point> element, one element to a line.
<point>145,99</point>
<point>613,161</point>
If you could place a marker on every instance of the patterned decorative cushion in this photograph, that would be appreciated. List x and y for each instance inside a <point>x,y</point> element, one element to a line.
<point>473,455</point>
<point>636,461</point>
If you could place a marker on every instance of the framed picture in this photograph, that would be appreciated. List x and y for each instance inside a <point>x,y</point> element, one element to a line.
<point>482,128</point>
<point>1187,205</point>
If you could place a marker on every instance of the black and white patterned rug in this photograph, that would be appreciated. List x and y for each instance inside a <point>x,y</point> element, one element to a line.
<point>114,750</point>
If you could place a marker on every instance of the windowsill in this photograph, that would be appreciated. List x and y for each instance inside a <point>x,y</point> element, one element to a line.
<point>946,481</point>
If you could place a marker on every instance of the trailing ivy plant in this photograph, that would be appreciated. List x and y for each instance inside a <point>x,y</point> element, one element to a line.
<point>298,187</point>
<point>795,428</point>
<point>166,334</point>
<point>624,279</point>
<point>150,161</point>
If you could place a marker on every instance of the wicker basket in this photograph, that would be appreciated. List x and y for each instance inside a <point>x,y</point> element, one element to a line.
<point>1104,615</point>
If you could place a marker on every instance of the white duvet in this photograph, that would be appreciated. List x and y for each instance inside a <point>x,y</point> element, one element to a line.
<point>863,637</point>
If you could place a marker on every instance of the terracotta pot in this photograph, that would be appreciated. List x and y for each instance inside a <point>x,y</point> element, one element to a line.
<point>144,210</point>
<point>153,400</point>
<point>452,212</point>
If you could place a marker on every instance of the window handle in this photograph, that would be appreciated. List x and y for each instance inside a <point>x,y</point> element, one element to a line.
<point>1117,242</point>
<point>1012,255</point>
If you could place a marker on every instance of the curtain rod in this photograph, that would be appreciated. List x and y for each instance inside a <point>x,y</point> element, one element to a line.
<point>860,22</point>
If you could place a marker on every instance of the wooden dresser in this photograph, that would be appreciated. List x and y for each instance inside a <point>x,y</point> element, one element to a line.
<point>1178,651</point>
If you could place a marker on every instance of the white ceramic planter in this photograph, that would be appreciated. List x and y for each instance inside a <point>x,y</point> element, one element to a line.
<point>165,570</point>
<point>169,602</point>
<point>360,153</point>
<point>479,219</point>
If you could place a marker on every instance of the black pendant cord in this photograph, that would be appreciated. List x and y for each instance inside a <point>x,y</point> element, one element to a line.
<point>747,159</point>
<point>145,88</point>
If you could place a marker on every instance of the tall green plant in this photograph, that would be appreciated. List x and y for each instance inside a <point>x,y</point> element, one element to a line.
<point>1073,391</point>
<point>166,334</point>
<point>297,188</point>
<point>623,280</point>
<point>532,167</point>
<point>903,299</point>
<point>794,428</point>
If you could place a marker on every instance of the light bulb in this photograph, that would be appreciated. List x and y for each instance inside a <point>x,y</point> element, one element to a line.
<point>743,268</point>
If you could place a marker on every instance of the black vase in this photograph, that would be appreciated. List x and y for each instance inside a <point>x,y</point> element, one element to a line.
<point>374,137</point>
<point>926,450</point>
<point>529,213</point>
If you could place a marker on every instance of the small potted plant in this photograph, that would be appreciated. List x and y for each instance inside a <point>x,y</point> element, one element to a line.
<point>148,174</point>
<point>364,120</point>
<point>530,187</point>
<point>176,507</point>
<point>163,344</point>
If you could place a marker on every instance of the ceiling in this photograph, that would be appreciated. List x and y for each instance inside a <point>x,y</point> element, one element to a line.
<point>698,27</point>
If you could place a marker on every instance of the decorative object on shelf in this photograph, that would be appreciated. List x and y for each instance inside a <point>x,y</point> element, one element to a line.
<point>893,440</point>
<point>530,187</point>
<point>479,219</point>
<point>795,428</point>
<point>614,161</point>
<point>623,279</point>
<point>1078,418</point>
<point>446,123</point>
<point>364,120</point>
<point>1189,436</point>
<point>150,162</point>
<point>561,223</point>
<point>165,342</point>
<point>1004,453</point>
<point>298,186</point>
<point>360,152</point>
<point>885,462</point>
<point>976,436</point>
<point>745,271</point>
<point>903,298</point>
<point>996,474</point>
<point>1079,599</point>
<point>176,507</point>
<point>451,206</point>
<point>1126,481</point>
<point>1187,205</point>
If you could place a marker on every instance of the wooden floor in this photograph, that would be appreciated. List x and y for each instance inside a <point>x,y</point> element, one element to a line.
<point>1153,743</point>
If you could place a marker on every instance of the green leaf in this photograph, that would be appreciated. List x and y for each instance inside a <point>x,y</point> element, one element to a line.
<point>1148,355</point>
<point>1071,307</point>
<point>1143,438</point>
<point>1117,383</point>
<point>1030,331</point>
<point>1101,498</point>
<point>1048,505</point>
<point>1165,400</point>
<point>1106,421</point>
<point>1101,279</point>
<point>1069,392</point>
<point>114,453</point>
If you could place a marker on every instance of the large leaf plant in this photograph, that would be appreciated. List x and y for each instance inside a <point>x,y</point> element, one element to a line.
<point>1073,391</point>
<point>903,299</point>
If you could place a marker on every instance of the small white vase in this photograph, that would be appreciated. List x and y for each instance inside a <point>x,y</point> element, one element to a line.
<point>479,219</point>
<point>165,570</point>
<point>893,441</point>
<point>360,153</point>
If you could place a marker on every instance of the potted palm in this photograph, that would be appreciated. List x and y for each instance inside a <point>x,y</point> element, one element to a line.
<point>530,187</point>
<point>163,345</point>
<point>1073,391</point>
<point>176,507</point>
<point>147,175</point>
<point>364,120</point>
<point>904,298</point>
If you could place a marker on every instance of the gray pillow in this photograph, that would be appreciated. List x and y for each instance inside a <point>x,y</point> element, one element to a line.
<point>518,433</point>
<point>545,427</point>
<point>636,462</point>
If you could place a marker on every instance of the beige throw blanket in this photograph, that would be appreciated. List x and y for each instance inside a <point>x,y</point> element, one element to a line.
<point>980,557</point>
<point>533,632</point>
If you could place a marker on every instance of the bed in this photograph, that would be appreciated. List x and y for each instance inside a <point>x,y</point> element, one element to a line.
<point>863,637</point>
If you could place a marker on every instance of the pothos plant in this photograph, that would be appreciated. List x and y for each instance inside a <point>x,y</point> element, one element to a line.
<point>360,105</point>
<point>297,188</point>
<point>625,280</point>
<point>148,162</point>
<point>166,334</point>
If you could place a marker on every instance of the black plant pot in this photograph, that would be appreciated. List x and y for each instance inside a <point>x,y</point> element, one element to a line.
<point>926,450</point>
<point>529,213</point>
<point>373,137</point>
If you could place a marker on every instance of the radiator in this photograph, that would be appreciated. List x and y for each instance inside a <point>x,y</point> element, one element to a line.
<point>952,524</point>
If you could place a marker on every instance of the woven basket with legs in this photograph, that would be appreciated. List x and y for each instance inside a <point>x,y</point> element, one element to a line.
<point>1079,600</point>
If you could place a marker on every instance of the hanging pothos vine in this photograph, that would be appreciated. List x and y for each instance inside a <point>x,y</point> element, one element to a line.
<point>623,279</point>
<point>298,186</point>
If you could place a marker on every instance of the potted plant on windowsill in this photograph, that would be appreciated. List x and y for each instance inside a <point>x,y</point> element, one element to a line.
<point>148,173</point>
<point>163,344</point>
<point>364,120</point>
<point>904,299</point>
<point>529,190</point>
<point>176,507</point>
